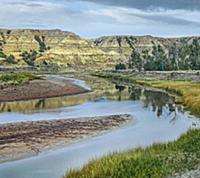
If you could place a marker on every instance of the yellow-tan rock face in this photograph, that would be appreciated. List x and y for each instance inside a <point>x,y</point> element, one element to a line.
<point>62,48</point>
<point>68,49</point>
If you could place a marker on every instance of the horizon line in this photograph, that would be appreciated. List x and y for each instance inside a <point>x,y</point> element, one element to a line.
<point>103,35</point>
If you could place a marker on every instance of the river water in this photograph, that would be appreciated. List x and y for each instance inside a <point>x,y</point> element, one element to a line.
<point>156,119</point>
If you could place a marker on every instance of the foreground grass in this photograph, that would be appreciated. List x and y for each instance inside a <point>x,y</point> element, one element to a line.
<point>16,78</point>
<point>159,160</point>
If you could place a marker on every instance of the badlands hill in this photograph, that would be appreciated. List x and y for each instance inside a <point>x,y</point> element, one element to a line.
<point>56,47</point>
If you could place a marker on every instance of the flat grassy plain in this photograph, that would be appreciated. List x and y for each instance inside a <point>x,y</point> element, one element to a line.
<point>159,160</point>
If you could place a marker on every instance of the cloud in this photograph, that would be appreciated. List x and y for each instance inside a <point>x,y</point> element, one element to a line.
<point>170,17</point>
<point>151,4</point>
<point>89,19</point>
<point>168,20</point>
<point>24,3</point>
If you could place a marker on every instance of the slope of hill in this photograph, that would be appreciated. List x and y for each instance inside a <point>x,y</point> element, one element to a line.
<point>78,53</point>
<point>52,47</point>
<point>153,53</point>
<point>56,47</point>
<point>125,44</point>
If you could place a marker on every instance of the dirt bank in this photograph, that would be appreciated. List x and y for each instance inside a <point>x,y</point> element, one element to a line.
<point>40,89</point>
<point>24,139</point>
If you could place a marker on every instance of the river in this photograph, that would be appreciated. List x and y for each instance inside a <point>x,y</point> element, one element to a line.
<point>156,119</point>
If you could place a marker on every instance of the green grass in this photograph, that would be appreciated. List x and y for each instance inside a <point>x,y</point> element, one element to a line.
<point>188,91</point>
<point>159,160</point>
<point>16,78</point>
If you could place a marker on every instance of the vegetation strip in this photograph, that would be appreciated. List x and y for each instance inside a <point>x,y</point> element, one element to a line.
<point>16,79</point>
<point>19,140</point>
<point>156,161</point>
<point>188,91</point>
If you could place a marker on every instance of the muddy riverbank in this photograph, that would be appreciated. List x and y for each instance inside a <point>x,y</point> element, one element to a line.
<point>51,86</point>
<point>19,140</point>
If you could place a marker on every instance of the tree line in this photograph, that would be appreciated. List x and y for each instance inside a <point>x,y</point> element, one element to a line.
<point>175,57</point>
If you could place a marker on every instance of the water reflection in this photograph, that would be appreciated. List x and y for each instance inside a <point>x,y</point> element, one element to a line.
<point>44,104</point>
<point>156,119</point>
<point>159,102</point>
<point>102,88</point>
<point>120,88</point>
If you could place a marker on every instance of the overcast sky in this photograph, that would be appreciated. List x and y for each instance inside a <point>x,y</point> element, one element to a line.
<point>92,18</point>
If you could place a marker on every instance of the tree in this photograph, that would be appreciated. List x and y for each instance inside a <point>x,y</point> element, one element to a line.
<point>135,61</point>
<point>195,54</point>
<point>160,57</point>
<point>150,64</point>
<point>148,60</point>
<point>183,57</point>
<point>157,60</point>
<point>173,58</point>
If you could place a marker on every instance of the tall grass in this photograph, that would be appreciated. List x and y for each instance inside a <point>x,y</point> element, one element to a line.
<point>159,160</point>
<point>188,91</point>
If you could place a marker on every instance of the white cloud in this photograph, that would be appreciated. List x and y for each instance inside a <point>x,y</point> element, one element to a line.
<point>90,19</point>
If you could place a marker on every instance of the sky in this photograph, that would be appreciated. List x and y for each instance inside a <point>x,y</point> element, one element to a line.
<point>94,18</point>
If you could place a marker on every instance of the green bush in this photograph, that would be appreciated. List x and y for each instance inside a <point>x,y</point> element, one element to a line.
<point>29,57</point>
<point>14,78</point>
<point>11,59</point>
<point>120,66</point>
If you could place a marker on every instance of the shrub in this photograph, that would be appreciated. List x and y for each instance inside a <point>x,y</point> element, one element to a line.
<point>120,66</point>
<point>29,57</point>
<point>11,59</point>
